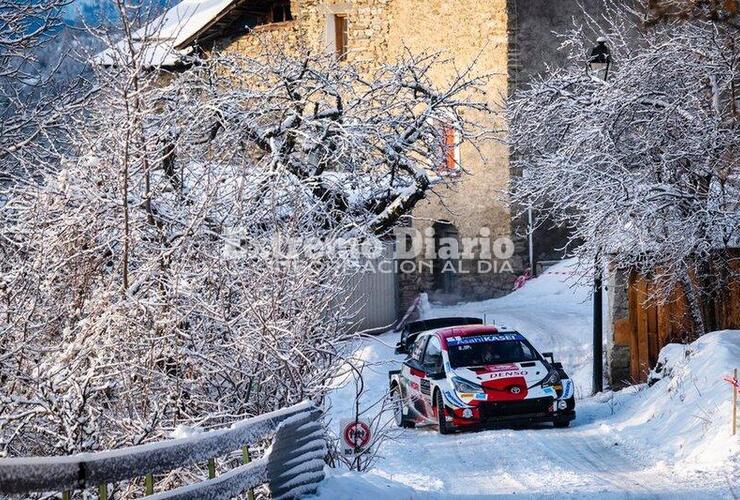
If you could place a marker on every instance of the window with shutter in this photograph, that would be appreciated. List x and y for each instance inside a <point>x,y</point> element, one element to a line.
<point>341,35</point>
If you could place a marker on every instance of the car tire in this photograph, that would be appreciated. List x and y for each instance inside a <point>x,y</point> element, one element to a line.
<point>398,407</point>
<point>444,427</point>
<point>561,423</point>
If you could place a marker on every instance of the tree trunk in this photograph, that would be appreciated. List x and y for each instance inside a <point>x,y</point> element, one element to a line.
<point>695,307</point>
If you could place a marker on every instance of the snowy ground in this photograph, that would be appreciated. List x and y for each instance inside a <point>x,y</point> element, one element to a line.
<point>669,440</point>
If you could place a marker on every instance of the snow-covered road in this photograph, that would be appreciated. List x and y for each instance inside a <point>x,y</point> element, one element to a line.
<point>607,452</point>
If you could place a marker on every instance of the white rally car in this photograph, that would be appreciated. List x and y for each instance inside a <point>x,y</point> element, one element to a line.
<point>473,375</point>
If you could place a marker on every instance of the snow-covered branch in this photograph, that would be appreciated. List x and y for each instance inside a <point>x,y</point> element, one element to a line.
<point>642,167</point>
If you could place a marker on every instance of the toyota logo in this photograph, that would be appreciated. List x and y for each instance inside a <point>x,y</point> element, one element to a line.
<point>515,390</point>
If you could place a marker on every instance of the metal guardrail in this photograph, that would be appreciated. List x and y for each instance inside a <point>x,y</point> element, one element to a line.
<point>293,467</point>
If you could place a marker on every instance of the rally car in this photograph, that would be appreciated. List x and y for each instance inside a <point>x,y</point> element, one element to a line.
<point>460,373</point>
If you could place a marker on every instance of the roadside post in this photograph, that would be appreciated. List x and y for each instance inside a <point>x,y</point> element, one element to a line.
<point>735,383</point>
<point>598,65</point>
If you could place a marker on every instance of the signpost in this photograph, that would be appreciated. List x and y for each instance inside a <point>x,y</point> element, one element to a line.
<point>733,381</point>
<point>356,436</point>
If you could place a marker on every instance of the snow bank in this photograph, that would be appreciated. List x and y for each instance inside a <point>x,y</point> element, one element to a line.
<point>684,418</point>
<point>354,485</point>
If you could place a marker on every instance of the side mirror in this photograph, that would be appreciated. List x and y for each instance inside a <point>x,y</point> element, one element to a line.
<point>549,357</point>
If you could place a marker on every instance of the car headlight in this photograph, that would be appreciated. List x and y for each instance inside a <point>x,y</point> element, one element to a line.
<point>552,378</point>
<point>462,385</point>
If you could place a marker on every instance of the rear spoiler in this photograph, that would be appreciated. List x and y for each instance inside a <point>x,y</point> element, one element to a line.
<point>413,329</point>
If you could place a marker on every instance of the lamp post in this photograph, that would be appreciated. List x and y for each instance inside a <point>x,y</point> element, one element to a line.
<point>530,231</point>
<point>598,380</point>
<point>599,62</point>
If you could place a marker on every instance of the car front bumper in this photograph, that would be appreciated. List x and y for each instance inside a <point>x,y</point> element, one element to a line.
<point>524,412</point>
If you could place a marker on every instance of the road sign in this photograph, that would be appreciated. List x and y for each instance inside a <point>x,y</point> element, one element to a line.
<point>356,436</point>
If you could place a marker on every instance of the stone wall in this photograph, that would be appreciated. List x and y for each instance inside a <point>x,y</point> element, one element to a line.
<point>618,330</point>
<point>468,31</point>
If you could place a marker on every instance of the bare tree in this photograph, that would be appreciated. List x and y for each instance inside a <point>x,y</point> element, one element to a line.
<point>644,166</point>
<point>714,10</point>
<point>34,104</point>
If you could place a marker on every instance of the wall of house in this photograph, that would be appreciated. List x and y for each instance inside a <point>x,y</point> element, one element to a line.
<point>469,31</point>
<point>465,30</point>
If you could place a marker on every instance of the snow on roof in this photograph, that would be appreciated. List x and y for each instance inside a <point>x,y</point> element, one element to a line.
<point>152,54</point>
<point>166,40</point>
<point>184,21</point>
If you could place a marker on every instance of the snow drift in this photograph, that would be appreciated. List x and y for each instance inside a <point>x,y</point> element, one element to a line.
<point>684,418</point>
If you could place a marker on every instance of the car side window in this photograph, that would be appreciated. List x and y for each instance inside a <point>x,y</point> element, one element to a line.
<point>418,349</point>
<point>433,355</point>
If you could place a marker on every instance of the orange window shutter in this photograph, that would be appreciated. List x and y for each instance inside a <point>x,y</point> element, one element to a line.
<point>448,145</point>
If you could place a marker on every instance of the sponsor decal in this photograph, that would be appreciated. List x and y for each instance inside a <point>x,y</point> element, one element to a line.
<point>482,370</point>
<point>515,389</point>
<point>549,391</point>
<point>481,396</point>
<point>480,339</point>
<point>517,373</point>
<point>466,395</point>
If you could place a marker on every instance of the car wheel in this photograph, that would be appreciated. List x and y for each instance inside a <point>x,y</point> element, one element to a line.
<point>398,407</point>
<point>444,427</point>
<point>561,423</point>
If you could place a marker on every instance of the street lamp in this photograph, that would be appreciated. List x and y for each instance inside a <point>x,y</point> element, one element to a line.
<point>599,62</point>
<point>600,58</point>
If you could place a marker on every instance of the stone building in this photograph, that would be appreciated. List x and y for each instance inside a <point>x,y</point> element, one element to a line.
<point>510,39</point>
<point>371,32</point>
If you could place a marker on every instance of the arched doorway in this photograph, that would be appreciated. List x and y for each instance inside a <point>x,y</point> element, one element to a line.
<point>445,265</point>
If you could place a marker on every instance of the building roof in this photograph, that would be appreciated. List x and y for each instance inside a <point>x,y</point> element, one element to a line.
<point>167,39</point>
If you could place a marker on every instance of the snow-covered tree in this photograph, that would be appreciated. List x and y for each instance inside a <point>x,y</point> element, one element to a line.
<point>643,166</point>
<point>34,104</point>
<point>368,146</point>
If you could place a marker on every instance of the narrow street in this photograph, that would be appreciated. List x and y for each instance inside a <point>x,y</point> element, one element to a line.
<point>602,454</point>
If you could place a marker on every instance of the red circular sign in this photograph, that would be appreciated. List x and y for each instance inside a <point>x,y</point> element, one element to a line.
<point>356,434</point>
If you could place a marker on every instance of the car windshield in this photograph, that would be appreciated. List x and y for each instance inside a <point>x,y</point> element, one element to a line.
<point>483,350</point>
